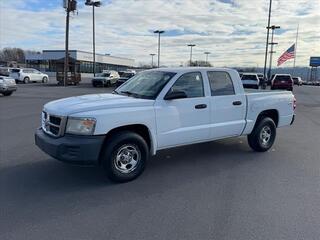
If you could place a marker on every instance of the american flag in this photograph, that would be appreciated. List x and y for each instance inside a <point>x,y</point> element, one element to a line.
<point>290,53</point>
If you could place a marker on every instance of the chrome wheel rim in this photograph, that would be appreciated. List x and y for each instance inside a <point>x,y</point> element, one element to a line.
<point>127,158</point>
<point>265,135</point>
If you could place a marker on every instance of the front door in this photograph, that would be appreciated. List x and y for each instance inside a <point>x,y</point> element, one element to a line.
<point>186,120</point>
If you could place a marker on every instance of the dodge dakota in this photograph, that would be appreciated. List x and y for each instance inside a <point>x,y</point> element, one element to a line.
<point>159,109</point>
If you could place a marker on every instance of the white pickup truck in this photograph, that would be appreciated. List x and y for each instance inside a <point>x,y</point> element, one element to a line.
<point>158,109</point>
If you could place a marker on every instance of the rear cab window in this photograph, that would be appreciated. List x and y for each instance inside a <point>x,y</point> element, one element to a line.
<point>220,83</point>
<point>286,78</point>
<point>249,77</point>
<point>15,70</point>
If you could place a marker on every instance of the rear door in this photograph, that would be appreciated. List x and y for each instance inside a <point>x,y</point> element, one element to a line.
<point>187,120</point>
<point>228,109</point>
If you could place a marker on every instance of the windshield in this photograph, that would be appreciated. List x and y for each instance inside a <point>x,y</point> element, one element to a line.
<point>249,77</point>
<point>104,75</point>
<point>146,84</point>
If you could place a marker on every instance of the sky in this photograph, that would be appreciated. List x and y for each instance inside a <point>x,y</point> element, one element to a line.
<point>232,30</point>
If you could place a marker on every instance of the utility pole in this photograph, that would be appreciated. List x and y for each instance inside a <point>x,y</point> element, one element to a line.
<point>159,32</point>
<point>66,52</point>
<point>267,44</point>
<point>152,55</point>
<point>93,4</point>
<point>273,27</point>
<point>295,51</point>
<point>207,53</point>
<point>70,6</point>
<point>191,46</point>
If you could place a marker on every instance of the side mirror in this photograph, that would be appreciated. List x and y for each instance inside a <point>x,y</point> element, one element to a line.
<point>175,95</point>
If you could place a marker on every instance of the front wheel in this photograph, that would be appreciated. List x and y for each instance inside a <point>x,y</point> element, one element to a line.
<point>263,135</point>
<point>7,93</point>
<point>44,80</point>
<point>125,156</point>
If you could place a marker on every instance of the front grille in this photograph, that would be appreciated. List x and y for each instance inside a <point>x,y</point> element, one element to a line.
<point>52,124</point>
<point>55,120</point>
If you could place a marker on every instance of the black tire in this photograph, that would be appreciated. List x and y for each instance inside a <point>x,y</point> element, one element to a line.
<point>257,140</point>
<point>26,80</point>
<point>7,93</point>
<point>44,80</point>
<point>118,143</point>
<point>108,84</point>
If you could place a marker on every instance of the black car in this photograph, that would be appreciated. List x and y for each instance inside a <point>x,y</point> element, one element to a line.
<point>124,77</point>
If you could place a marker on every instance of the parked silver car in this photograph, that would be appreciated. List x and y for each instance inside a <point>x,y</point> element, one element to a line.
<point>7,85</point>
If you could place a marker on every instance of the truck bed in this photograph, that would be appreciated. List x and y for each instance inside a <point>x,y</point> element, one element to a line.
<point>259,99</point>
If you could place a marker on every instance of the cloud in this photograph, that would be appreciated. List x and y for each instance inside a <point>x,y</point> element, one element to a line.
<point>232,30</point>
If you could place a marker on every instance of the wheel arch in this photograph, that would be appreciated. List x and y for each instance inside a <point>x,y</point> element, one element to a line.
<point>139,129</point>
<point>271,113</point>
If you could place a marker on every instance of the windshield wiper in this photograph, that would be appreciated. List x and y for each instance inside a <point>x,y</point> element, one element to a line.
<point>115,92</point>
<point>132,94</point>
<point>128,93</point>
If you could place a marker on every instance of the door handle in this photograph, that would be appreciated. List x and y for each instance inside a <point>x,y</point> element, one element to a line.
<point>200,106</point>
<point>236,103</point>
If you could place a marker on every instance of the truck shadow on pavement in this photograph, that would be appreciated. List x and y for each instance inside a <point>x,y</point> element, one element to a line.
<point>28,189</point>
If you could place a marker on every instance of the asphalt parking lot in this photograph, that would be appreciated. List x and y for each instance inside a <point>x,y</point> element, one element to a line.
<point>218,190</point>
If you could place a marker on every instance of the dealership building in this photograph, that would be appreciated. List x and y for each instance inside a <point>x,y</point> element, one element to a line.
<point>52,61</point>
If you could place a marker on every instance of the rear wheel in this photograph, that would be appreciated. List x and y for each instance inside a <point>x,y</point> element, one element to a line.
<point>263,135</point>
<point>125,156</point>
<point>26,80</point>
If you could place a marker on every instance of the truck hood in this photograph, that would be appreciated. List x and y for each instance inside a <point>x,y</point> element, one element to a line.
<point>92,102</point>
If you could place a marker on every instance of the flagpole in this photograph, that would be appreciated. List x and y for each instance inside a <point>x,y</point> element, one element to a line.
<point>295,50</point>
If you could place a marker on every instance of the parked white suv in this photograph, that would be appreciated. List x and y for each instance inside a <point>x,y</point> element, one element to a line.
<point>27,75</point>
<point>106,78</point>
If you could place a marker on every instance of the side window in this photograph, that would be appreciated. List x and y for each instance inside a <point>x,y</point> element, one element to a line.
<point>220,84</point>
<point>191,84</point>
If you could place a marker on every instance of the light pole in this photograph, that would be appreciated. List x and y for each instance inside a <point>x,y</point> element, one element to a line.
<point>207,53</point>
<point>69,6</point>
<point>152,55</point>
<point>267,44</point>
<point>159,32</point>
<point>273,27</point>
<point>191,46</point>
<point>93,4</point>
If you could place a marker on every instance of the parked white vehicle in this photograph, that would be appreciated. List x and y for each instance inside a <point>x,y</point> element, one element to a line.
<point>250,80</point>
<point>106,78</point>
<point>27,75</point>
<point>158,109</point>
<point>7,85</point>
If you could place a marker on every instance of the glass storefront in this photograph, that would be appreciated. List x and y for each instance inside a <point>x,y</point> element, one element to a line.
<point>82,66</point>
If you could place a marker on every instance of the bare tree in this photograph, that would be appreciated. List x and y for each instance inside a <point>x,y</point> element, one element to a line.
<point>201,63</point>
<point>12,54</point>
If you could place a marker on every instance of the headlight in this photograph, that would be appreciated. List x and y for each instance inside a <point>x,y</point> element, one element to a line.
<point>81,126</point>
<point>1,81</point>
